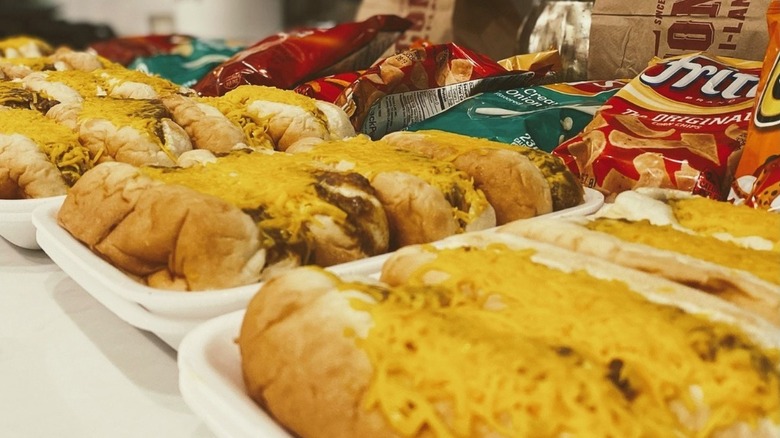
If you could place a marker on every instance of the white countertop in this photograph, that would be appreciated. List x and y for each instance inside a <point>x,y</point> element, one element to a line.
<point>71,368</point>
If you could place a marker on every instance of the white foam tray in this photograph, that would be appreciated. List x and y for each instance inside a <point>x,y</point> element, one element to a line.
<point>168,314</point>
<point>16,220</point>
<point>211,384</point>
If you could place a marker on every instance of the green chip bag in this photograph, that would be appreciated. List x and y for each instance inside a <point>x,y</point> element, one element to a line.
<point>540,117</point>
<point>188,63</point>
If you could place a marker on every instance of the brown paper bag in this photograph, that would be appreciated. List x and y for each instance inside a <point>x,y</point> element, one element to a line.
<point>488,27</point>
<point>625,36</point>
<point>432,18</point>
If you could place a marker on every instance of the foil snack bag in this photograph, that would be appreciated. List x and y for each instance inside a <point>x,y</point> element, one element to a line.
<point>189,62</point>
<point>680,124</point>
<point>421,82</point>
<point>757,178</point>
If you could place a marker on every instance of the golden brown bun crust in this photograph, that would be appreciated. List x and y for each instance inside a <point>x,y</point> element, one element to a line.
<point>158,231</point>
<point>298,363</point>
<point>366,231</point>
<point>196,241</point>
<point>25,171</point>
<point>417,212</point>
<point>513,185</point>
<point>125,143</point>
<point>207,127</point>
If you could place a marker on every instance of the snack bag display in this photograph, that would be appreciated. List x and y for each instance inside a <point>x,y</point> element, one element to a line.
<point>420,82</point>
<point>286,59</point>
<point>540,117</point>
<point>124,50</point>
<point>757,178</point>
<point>328,88</point>
<point>680,124</point>
<point>189,62</point>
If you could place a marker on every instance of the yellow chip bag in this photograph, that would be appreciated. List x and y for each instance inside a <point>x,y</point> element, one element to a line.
<point>757,177</point>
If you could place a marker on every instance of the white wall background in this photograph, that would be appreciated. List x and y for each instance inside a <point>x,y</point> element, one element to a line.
<point>136,17</point>
<point>248,20</point>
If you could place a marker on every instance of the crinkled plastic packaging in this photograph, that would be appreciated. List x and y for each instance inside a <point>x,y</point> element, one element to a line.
<point>124,50</point>
<point>680,124</point>
<point>187,63</point>
<point>539,117</point>
<point>287,59</point>
<point>420,82</point>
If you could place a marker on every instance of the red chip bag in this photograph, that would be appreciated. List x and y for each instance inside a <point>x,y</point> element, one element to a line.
<point>680,124</point>
<point>124,50</point>
<point>328,88</point>
<point>285,60</point>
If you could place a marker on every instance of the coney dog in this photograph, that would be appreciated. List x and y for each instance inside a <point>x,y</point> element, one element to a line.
<point>118,82</point>
<point>38,157</point>
<point>230,221</point>
<point>490,335</point>
<point>727,250</point>
<point>425,199</point>
<point>15,95</point>
<point>24,47</point>
<point>134,131</point>
<point>258,116</point>
<point>519,181</point>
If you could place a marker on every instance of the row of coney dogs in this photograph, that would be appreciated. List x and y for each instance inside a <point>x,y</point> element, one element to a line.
<point>229,190</point>
<point>657,316</point>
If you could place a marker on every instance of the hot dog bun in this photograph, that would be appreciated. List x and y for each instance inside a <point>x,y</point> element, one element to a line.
<point>38,158</point>
<point>225,223</point>
<point>425,199</point>
<point>134,131</point>
<point>730,251</point>
<point>493,335</point>
<point>269,117</point>
<point>521,181</point>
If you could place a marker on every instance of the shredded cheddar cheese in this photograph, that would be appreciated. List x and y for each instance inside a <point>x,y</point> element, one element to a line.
<point>111,77</point>
<point>255,128</point>
<point>34,64</point>
<point>143,115</point>
<point>279,191</point>
<point>234,103</point>
<point>59,143</point>
<point>245,94</point>
<point>103,82</point>
<point>763,264</point>
<point>521,349</point>
<point>706,216</point>
<point>19,43</point>
<point>566,190</point>
<point>370,158</point>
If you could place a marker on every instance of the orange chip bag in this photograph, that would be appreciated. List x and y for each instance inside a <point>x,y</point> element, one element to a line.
<point>757,178</point>
<point>680,124</point>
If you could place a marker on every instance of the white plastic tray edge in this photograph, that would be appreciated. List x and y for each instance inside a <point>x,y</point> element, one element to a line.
<point>215,391</point>
<point>16,220</point>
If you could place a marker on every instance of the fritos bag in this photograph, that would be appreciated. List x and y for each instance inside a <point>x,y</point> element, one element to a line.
<point>757,181</point>
<point>680,124</point>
